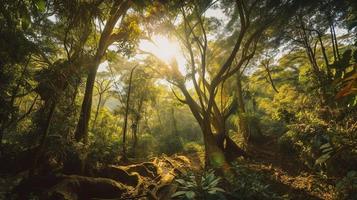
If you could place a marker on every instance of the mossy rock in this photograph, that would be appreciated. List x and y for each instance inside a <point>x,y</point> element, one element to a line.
<point>120,175</point>
<point>80,187</point>
<point>69,187</point>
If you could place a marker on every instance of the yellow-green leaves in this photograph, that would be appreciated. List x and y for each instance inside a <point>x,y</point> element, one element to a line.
<point>40,5</point>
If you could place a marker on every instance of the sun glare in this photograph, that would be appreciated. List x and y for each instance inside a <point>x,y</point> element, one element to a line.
<point>162,47</point>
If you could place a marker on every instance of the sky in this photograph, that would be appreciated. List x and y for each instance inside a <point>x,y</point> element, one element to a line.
<point>167,49</point>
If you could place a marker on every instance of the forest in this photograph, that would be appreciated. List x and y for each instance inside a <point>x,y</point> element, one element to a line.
<point>178,99</point>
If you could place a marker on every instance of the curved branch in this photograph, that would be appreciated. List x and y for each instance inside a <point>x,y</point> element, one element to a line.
<point>178,98</point>
<point>266,66</point>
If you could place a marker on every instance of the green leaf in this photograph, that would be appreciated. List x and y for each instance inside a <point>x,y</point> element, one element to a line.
<point>190,194</point>
<point>217,189</point>
<point>25,18</point>
<point>41,5</point>
<point>327,150</point>
<point>326,145</point>
<point>351,173</point>
<point>212,192</point>
<point>179,193</point>
<point>181,181</point>
<point>322,159</point>
<point>214,182</point>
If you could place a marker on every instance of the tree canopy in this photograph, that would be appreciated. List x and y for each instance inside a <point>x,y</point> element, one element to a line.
<point>201,99</point>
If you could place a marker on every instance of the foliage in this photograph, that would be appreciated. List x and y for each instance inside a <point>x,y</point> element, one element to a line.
<point>172,144</point>
<point>250,185</point>
<point>260,71</point>
<point>148,145</point>
<point>347,186</point>
<point>286,143</point>
<point>329,148</point>
<point>306,140</point>
<point>199,186</point>
<point>193,147</point>
<point>104,139</point>
<point>104,150</point>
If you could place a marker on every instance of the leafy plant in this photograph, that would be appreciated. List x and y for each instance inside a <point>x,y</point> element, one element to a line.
<point>205,186</point>
<point>327,150</point>
<point>347,186</point>
<point>250,185</point>
<point>192,147</point>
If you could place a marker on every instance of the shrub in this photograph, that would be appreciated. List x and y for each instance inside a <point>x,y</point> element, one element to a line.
<point>204,186</point>
<point>329,148</point>
<point>104,151</point>
<point>347,186</point>
<point>193,147</point>
<point>304,141</point>
<point>250,185</point>
<point>171,144</point>
<point>286,144</point>
<point>147,146</point>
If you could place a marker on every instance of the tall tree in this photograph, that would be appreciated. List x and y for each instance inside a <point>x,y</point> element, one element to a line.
<point>109,35</point>
<point>127,111</point>
<point>18,48</point>
<point>102,86</point>
<point>313,30</point>
<point>250,20</point>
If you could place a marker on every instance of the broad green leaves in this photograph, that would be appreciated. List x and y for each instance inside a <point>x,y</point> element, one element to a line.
<point>206,186</point>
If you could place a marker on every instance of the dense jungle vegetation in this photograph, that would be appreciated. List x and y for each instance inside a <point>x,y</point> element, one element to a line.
<point>185,99</point>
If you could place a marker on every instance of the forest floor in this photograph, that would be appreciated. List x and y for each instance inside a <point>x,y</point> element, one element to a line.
<point>153,179</point>
<point>286,176</point>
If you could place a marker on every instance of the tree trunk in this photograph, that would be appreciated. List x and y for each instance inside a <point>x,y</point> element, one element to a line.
<point>243,123</point>
<point>127,113</point>
<point>1,138</point>
<point>135,129</point>
<point>311,54</point>
<point>97,110</point>
<point>82,126</point>
<point>159,117</point>
<point>137,123</point>
<point>214,155</point>
<point>230,149</point>
<point>118,9</point>
<point>174,124</point>
<point>43,130</point>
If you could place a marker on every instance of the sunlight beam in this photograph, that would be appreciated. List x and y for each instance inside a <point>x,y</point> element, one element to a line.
<point>164,49</point>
